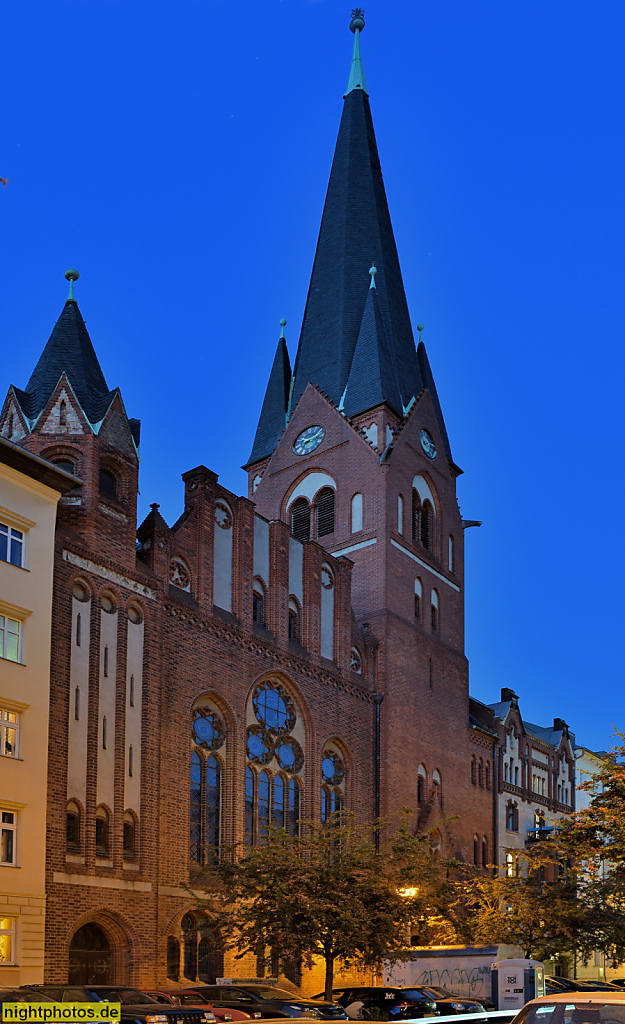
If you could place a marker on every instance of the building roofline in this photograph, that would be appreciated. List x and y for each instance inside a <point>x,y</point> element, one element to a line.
<point>34,466</point>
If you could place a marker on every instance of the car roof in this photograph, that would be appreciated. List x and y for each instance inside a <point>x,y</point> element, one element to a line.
<point>588,996</point>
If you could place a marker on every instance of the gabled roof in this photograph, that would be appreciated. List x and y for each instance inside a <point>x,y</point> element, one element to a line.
<point>68,349</point>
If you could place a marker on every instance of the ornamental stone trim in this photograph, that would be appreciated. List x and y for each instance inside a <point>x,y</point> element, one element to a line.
<point>109,574</point>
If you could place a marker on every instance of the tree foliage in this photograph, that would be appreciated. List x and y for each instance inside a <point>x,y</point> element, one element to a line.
<point>328,894</point>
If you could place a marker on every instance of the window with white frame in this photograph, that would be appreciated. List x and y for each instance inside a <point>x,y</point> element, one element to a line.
<point>7,940</point>
<point>10,638</point>
<point>9,733</point>
<point>11,545</point>
<point>8,838</point>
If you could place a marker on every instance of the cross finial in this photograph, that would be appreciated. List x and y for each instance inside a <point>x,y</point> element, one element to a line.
<point>282,326</point>
<point>358,19</point>
<point>71,276</point>
<point>372,271</point>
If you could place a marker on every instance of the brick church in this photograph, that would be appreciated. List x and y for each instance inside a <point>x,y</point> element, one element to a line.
<point>264,659</point>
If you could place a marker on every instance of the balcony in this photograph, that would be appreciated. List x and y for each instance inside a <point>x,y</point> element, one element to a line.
<point>539,835</point>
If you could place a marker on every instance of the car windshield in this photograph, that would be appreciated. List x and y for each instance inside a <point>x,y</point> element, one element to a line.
<point>437,991</point>
<point>410,995</point>
<point>574,1012</point>
<point>273,993</point>
<point>129,996</point>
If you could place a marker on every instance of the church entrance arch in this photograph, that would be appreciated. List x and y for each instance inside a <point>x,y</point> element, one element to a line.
<point>90,957</point>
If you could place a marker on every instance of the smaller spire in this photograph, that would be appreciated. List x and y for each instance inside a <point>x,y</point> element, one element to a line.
<point>71,276</point>
<point>372,271</point>
<point>357,78</point>
<point>420,330</point>
<point>282,326</point>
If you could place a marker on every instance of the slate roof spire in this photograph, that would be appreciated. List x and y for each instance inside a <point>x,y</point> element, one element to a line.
<point>276,406</point>
<point>68,350</point>
<point>355,231</point>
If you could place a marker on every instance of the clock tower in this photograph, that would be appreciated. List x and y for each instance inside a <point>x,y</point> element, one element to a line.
<point>351,450</point>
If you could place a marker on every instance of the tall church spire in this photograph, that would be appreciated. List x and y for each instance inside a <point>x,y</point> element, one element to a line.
<point>358,349</point>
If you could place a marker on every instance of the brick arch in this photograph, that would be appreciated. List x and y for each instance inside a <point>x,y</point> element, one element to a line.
<point>350,787</point>
<point>222,705</point>
<point>297,695</point>
<point>122,938</point>
<point>326,479</point>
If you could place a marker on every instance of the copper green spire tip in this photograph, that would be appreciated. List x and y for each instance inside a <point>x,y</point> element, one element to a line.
<point>357,78</point>
<point>282,326</point>
<point>372,271</point>
<point>71,275</point>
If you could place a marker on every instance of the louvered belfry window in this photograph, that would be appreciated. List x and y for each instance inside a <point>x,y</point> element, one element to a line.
<point>325,512</point>
<point>300,519</point>
<point>426,524</point>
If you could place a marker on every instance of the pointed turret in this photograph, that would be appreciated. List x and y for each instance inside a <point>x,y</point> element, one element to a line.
<point>372,379</point>
<point>273,415</point>
<point>68,350</point>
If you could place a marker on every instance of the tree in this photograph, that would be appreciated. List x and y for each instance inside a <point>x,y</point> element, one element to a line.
<point>327,894</point>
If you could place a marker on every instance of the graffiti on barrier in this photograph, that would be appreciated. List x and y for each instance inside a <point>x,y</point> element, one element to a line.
<point>473,981</point>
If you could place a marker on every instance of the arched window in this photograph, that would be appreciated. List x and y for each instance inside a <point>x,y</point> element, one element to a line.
<point>421,784</point>
<point>63,413</point>
<point>355,661</point>
<point>72,827</point>
<point>450,554</point>
<point>416,512</point>
<point>65,465</point>
<point>434,612</point>
<point>102,848</point>
<point>473,771</point>
<point>300,519</point>
<point>107,483</point>
<point>484,853</point>
<point>324,507</point>
<point>333,775</point>
<point>357,513</point>
<point>400,514</point>
<point>173,959</point>
<point>275,760</point>
<point>487,774</point>
<point>258,602</point>
<point>436,784</point>
<point>190,946</point>
<point>78,630</point>
<point>418,598</point>
<point>476,851</point>
<point>210,959</point>
<point>208,736</point>
<point>427,524</point>
<point>130,836</point>
<point>293,619</point>
<point>480,773</point>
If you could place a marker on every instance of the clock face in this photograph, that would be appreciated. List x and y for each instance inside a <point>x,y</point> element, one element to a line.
<point>427,444</point>
<point>308,440</point>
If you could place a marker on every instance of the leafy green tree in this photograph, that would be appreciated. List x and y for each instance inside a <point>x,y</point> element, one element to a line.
<point>326,894</point>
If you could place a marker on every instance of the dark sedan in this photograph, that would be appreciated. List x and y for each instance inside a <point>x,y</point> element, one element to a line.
<point>444,999</point>
<point>386,1002</point>
<point>269,1001</point>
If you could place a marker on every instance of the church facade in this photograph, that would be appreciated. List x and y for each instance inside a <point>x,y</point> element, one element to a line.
<point>265,659</point>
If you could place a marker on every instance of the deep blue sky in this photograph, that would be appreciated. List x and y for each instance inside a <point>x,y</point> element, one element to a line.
<point>177,153</point>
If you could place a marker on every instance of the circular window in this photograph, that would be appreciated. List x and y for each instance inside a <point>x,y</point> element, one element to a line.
<point>134,614</point>
<point>332,769</point>
<point>80,592</point>
<point>259,745</point>
<point>327,580</point>
<point>289,754</point>
<point>108,604</point>
<point>273,707</point>
<point>179,574</point>
<point>355,661</point>
<point>223,516</point>
<point>208,730</point>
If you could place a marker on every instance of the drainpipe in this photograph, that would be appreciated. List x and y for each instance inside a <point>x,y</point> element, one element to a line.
<point>377,700</point>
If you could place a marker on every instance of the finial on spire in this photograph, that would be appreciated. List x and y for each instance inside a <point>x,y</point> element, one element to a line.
<point>420,330</point>
<point>358,19</point>
<point>357,73</point>
<point>71,276</point>
<point>282,325</point>
<point>373,271</point>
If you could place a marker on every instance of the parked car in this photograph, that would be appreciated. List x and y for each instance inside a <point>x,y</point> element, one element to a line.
<point>442,996</point>
<point>558,984</point>
<point>21,995</point>
<point>135,1005</point>
<point>575,1008</point>
<point>387,1002</point>
<point>269,1001</point>
<point>189,997</point>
